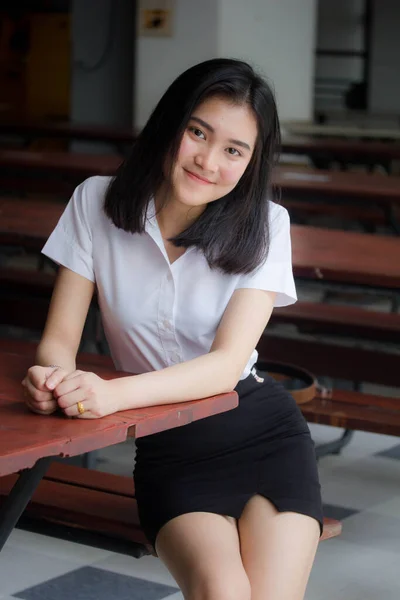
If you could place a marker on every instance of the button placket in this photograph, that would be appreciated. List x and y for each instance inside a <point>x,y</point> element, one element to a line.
<point>169,342</point>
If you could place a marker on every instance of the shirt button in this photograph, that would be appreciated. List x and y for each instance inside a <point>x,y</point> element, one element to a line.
<point>175,357</point>
<point>167,325</point>
<point>169,277</point>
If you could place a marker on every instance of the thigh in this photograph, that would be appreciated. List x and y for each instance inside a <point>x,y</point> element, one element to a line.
<point>278,550</point>
<point>202,552</point>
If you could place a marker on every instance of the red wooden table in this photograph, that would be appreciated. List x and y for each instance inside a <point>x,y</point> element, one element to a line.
<point>326,254</point>
<point>29,441</point>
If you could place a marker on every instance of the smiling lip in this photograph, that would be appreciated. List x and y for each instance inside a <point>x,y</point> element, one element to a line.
<point>197,177</point>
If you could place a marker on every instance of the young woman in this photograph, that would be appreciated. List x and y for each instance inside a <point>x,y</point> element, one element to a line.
<point>189,256</point>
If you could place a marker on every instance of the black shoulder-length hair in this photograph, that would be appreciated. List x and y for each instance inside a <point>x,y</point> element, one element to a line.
<point>233,231</point>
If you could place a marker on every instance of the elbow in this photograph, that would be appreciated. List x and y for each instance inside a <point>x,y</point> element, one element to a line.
<point>234,380</point>
<point>231,373</point>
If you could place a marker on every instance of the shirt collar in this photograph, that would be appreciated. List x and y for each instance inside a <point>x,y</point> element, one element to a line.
<point>152,228</point>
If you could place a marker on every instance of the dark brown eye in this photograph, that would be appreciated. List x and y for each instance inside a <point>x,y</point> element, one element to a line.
<point>233,152</point>
<point>197,132</point>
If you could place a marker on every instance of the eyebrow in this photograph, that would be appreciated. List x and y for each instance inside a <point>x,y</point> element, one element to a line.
<point>208,126</point>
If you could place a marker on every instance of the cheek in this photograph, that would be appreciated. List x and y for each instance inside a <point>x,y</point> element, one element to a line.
<point>186,148</point>
<point>230,175</point>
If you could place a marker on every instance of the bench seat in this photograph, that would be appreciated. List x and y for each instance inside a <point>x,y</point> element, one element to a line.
<point>317,317</point>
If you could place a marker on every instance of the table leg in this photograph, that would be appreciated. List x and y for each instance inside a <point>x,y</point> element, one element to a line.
<point>16,501</point>
<point>335,446</point>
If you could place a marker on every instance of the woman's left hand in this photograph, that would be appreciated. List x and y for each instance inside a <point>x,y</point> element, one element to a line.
<point>87,391</point>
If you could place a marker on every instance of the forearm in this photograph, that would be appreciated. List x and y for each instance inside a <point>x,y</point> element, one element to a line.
<point>55,352</point>
<point>207,375</point>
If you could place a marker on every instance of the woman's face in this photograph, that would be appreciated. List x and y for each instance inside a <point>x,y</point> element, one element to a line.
<point>215,150</point>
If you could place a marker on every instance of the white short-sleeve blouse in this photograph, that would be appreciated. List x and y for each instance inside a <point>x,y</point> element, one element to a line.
<point>156,314</point>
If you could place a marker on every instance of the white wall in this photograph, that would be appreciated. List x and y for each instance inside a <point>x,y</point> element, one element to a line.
<point>385,57</point>
<point>161,59</point>
<point>277,36</point>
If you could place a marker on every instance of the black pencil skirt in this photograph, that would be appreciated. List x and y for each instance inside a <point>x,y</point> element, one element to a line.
<point>218,463</point>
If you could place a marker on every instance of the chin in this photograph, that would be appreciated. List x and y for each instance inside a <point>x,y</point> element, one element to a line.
<point>190,198</point>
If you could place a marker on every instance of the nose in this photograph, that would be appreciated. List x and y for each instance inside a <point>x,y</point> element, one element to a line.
<point>206,159</point>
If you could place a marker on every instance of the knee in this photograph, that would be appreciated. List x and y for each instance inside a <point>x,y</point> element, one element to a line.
<point>222,588</point>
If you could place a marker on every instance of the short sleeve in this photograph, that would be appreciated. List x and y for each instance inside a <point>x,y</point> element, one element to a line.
<point>70,243</point>
<point>276,273</point>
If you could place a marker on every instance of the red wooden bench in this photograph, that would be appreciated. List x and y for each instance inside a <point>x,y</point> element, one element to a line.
<point>29,129</point>
<point>370,152</point>
<point>301,211</point>
<point>325,151</point>
<point>332,359</point>
<point>340,193</point>
<point>318,317</point>
<point>69,164</point>
<point>59,173</point>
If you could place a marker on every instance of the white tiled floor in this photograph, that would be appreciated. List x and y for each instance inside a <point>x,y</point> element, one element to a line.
<point>21,569</point>
<point>147,567</point>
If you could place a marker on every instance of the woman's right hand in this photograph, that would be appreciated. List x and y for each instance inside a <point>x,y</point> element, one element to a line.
<point>38,397</point>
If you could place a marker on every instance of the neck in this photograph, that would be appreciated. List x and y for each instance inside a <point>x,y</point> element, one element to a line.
<point>173,217</point>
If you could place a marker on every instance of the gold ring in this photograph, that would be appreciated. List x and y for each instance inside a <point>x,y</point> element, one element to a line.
<point>81,408</point>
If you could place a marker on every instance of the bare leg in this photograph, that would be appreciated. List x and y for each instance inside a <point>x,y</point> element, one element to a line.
<point>278,550</point>
<point>202,552</point>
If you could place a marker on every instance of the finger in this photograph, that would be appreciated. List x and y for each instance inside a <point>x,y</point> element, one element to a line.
<point>37,394</point>
<point>37,376</point>
<point>73,410</point>
<point>42,408</point>
<point>74,381</point>
<point>67,386</point>
<point>71,399</point>
<point>55,378</point>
